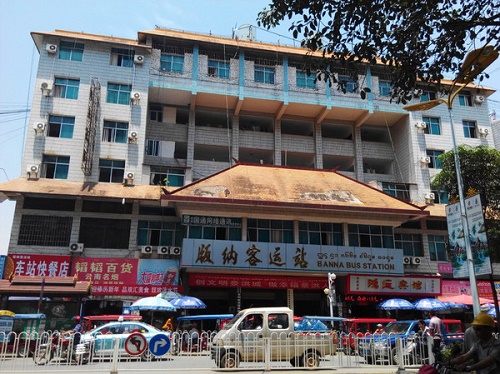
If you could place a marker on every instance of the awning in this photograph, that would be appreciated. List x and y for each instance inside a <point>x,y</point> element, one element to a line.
<point>463,299</point>
<point>51,286</point>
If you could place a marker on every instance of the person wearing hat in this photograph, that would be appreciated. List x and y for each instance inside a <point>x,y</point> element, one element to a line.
<point>380,329</point>
<point>485,353</point>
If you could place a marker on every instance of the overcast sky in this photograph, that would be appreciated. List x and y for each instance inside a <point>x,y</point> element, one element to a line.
<point>124,18</point>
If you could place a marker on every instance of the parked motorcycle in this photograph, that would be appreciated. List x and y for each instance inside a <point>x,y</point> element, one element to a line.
<point>60,347</point>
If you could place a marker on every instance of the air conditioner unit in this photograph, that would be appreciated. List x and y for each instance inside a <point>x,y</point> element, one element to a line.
<point>129,178</point>
<point>146,249</point>
<point>76,247</point>
<point>478,99</point>
<point>135,97</point>
<point>406,260</point>
<point>175,251</point>
<point>138,59</point>
<point>163,250</point>
<point>132,137</point>
<point>416,261</point>
<point>421,126</point>
<point>425,160</point>
<point>51,48</point>
<point>33,171</point>
<point>483,132</point>
<point>39,127</point>
<point>46,88</point>
<point>430,196</point>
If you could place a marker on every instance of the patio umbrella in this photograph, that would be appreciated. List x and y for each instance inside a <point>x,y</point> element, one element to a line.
<point>153,304</point>
<point>429,304</point>
<point>492,312</point>
<point>395,304</point>
<point>169,295</point>
<point>188,302</point>
<point>452,305</point>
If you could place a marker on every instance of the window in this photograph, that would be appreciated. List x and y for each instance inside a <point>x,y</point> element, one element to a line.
<point>427,95</point>
<point>470,129</point>
<point>264,74</point>
<point>172,63</point>
<point>371,236</point>
<point>66,88</point>
<point>440,197</point>
<point>71,51</point>
<point>435,163</point>
<point>465,99</point>
<point>159,233</point>
<point>122,57</point>
<point>46,230</point>
<point>218,69</point>
<point>156,112</point>
<point>270,231</point>
<point>384,88</point>
<point>305,80</point>
<point>55,167</point>
<point>104,233</point>
<point>433,125</point>
<point>411,244</point>
<point>118,93</point>
<point>320,233</point>
<point>115,132</point>
<point>168,177</point>
<point>152,147</point>
<point>351,85</point>
<point>61,127</point>
<point>437,248</point>
<point>111,170</point>
<point>399,190</point>
<point>207,230</point>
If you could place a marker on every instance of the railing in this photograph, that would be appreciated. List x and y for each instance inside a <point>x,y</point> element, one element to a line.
<point>51,352</point>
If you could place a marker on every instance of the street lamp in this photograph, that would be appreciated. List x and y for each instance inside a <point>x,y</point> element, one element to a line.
<point>330,292</point>
<point>475,62</point>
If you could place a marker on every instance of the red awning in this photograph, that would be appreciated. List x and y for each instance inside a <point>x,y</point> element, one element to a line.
<point>463,299</point>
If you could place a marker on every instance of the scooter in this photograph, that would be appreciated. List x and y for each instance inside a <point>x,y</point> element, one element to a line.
<point>60,347</point>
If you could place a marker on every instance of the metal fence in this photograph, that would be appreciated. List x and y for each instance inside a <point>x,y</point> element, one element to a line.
<point>51,352</point>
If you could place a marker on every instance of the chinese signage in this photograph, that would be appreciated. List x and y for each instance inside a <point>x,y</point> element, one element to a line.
<point>188,220</point>
<point>254,281</point>
<point>462,287</point>
<point>477,235</point>
<point>392,285</point>
<point>235,255</point>
<point>108,276</point>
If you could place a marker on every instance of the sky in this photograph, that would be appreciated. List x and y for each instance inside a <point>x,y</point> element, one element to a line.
<point>124,18</point>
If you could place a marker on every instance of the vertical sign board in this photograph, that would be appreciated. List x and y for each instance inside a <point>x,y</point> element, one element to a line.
<point>477,235</point>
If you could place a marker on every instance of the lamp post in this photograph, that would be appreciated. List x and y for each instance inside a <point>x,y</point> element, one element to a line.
<point>475,62</point>
<point>330,292</point>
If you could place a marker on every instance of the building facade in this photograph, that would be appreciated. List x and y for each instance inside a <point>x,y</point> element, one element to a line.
<point>120,128</point>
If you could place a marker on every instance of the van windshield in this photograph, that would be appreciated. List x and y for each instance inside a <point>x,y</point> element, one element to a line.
<point>231,323</point>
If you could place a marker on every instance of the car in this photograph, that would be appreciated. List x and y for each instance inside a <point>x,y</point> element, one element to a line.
<point>102,338</point>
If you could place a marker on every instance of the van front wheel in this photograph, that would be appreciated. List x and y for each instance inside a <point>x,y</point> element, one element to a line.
<point>310,360</point>
<point>230,361</point>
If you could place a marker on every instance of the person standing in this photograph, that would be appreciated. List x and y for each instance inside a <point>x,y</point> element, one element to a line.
<point>485,353</point>
<point>435,330</point>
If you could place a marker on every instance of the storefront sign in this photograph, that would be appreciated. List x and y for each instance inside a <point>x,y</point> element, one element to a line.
<point>211,221</point>
<point>41,265</point>
<point>108,276</point>
<point>462,287</point>
<point>129,276</point>
<point>235,255</point>
<point>477,235</point>
<point>392,285</point>
<point>254,281</point>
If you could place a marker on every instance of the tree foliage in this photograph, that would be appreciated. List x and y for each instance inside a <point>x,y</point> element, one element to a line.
<point>480,171</point>
<point>418,40</point>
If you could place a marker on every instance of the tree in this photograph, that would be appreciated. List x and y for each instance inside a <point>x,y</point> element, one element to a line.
<point>419,40</point>
<point>480,170</point>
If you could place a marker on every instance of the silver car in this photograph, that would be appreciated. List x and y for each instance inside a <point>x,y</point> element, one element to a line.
<point>102,338</point>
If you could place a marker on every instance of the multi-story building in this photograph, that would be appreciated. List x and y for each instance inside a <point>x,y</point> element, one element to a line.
<point>117,123</point>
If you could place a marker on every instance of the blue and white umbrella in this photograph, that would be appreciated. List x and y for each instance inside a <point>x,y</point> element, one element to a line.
<point>188,302</point>
<point>429,304</point>
<point>153,303</point>
<point>492,312</point>
<point>395,304</point>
